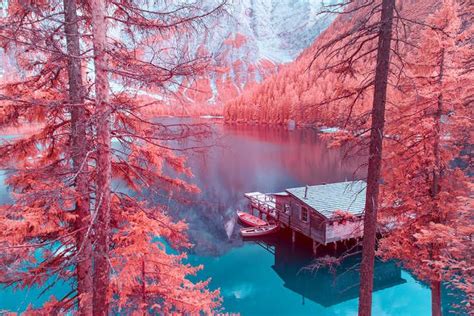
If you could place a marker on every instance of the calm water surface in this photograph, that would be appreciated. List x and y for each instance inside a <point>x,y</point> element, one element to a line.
<point>268,277</point>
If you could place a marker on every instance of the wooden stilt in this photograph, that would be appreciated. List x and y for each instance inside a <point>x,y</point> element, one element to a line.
<point>293,236</point>
<point>315,247</point>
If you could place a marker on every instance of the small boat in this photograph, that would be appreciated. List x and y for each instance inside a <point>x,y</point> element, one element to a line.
<point>250,220</point>
<point>258,231</point>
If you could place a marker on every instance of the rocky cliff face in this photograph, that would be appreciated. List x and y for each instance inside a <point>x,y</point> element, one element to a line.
<point>250,43</point>
<point>247,44</point>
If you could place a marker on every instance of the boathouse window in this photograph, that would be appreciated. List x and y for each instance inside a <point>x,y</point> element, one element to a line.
<point>304,214</point>
<point>286,208</point>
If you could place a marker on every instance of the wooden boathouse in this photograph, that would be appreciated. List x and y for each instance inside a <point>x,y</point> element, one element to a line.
<point>325,213</point>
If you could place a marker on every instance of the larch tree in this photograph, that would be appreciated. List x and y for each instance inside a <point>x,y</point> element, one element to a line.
<point>345,54</point>
<point>370,37</point>
<point>375,157</point>
<point>80,154</point>
<point>148,48</point>
<point>41,229</point>
<point>46,234</point>
<point>103,119</point>
<point>426,192</point>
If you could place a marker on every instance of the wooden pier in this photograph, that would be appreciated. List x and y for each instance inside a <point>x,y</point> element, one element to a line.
<point>262,204</point>
<point>326,213</point>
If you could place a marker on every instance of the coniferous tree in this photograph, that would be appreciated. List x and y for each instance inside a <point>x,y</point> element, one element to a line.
<point>44,219</point>
<point>425,194</point>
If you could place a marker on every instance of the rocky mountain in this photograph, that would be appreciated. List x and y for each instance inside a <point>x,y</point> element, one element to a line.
<point>250,43</point>
<point>247,44</point>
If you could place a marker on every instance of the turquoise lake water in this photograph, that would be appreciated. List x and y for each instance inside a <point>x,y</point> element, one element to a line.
<point>251,286</point>
<point>268,277</point>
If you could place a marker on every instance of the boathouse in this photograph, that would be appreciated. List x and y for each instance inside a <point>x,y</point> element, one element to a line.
<point>326,213</point>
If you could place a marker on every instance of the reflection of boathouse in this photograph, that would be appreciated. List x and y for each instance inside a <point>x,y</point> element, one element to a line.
<point>325,213</point>
<point>328,285</point>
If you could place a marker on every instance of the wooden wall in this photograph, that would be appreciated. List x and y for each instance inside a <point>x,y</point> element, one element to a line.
<point>318,227</point>
<point>314,228</point>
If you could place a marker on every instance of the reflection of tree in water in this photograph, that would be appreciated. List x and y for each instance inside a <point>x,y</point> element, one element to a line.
<point>207,224</point>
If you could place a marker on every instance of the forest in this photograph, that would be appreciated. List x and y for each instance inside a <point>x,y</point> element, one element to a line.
<point>118,199</point>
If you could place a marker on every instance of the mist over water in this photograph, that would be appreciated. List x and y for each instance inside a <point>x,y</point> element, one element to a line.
<point>243,159</point>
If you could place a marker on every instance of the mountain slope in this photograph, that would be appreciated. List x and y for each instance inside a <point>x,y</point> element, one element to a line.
<point>296,93</point>
<point>248,45</point>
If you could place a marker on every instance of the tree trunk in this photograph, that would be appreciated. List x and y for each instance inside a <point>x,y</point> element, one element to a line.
<point>79,152</point>
<point>103,160</point>
<point>437,131</point>
<point>375,158</point>
<point>436,298</point>
<point>436,284</point>
<point>143,289</point>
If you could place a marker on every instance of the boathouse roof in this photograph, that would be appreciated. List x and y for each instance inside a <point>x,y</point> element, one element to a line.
<point>326,199</point>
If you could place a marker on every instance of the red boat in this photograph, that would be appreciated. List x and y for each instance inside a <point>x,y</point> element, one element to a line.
<point>250,220</point>
<point>258,231</point>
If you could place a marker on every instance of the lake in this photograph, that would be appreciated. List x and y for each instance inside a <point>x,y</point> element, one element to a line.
<point>270,276</point>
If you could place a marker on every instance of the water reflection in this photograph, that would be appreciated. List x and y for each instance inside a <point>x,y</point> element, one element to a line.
<point>244,159</point>
<point>325,285</point>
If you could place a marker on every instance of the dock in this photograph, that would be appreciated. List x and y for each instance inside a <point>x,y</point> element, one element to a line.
<point>262,204</point>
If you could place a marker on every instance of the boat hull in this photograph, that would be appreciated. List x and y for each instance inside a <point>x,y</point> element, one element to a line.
<point>258,231</point>
<point>250,220</point>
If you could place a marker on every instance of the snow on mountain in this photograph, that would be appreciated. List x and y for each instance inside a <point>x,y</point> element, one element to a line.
<point>279,30</point>
<point>247,44</point>
<point>250,43</point>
